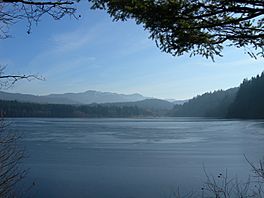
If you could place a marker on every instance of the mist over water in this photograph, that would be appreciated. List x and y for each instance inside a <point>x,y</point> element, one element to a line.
<point>125,158</point>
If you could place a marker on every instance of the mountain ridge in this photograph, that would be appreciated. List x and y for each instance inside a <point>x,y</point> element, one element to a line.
<point>92,96</point>
<point>81,98</point>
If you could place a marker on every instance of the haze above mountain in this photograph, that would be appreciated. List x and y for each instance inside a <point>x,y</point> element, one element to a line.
<point>87,97</point>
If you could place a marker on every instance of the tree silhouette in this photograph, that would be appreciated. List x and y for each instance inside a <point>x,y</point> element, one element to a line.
<point>249,100</point>
<point>12,11</point>
<point>198,27</point>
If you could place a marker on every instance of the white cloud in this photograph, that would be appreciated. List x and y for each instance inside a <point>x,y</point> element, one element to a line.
<point>77,39</point>
<point>71,40</point>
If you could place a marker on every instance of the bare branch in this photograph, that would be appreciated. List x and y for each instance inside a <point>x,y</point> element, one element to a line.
<point>6,81</point>
<point>40,2</point>
<point>12,11</point>
<point>259,171</point>
<point>10,158</point>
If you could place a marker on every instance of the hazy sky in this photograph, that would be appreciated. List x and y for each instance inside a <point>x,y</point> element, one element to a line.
<point>96,53</point>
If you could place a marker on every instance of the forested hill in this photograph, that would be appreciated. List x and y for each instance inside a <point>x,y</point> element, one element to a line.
<point>246,101</point>
<point>213,104</point>
<point>19,109</point>
<point>156,106</point>
<point>249,102</point>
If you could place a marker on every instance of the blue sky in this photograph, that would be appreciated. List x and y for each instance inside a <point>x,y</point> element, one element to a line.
<point>94,53</point>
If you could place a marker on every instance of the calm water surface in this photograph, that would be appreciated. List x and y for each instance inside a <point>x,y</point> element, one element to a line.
<point>134,158</point>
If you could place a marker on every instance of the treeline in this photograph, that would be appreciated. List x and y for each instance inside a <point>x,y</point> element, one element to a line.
<point>247,101</point>
<point>212,104</point>
<point>20,109</point>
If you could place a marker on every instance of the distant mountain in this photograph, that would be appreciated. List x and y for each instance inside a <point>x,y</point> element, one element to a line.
<point>34,99</point>
<point>213,104</point>
<point>92,96</point>
<point>245,101</point>
<point>87,97</point>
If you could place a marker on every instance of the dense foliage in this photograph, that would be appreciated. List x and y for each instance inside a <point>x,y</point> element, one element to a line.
<point>215,104</point>
<point>200,27</point>
<point>249,102</point>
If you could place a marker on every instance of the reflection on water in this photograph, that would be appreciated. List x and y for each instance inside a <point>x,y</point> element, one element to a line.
<point>134,157</point>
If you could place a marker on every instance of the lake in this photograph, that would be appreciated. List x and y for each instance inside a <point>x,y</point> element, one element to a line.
<point>134,158</point>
